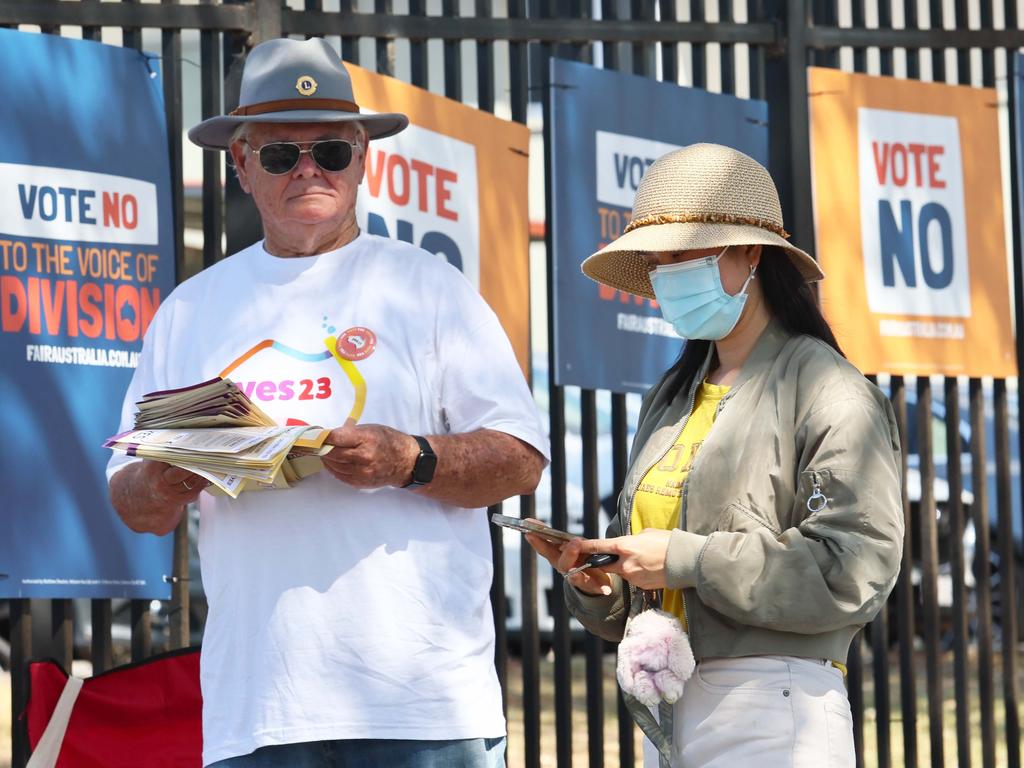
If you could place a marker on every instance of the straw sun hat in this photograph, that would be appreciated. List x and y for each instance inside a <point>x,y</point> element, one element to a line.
<point>701,196</point>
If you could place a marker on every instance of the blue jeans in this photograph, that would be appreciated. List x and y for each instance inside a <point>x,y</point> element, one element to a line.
<point>375,753</point>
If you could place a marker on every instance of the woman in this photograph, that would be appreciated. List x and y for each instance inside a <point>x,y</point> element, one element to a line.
<point>762,502</point>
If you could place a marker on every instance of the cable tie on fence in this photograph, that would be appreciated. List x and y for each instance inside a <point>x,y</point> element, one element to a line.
<point>560,86</point>
<point>150,57</point>
<point>175,579</point>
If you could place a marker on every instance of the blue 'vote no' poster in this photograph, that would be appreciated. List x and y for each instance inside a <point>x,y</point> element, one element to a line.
<point>86,256</point>
<point>606,128</point>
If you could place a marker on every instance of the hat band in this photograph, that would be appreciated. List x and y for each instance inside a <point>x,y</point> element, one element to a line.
<point>704,218</point>
<point>287,105</point>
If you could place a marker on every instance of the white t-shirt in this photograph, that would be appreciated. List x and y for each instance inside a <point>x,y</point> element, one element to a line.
<point>337,613</point>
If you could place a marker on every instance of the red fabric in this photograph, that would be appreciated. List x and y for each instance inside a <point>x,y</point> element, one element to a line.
<point>145,715</point>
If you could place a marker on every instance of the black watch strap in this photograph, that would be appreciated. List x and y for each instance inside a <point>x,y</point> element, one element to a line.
<point>426,463</point>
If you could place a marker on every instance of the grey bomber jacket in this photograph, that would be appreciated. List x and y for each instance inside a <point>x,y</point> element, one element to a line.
<point>791,528</point>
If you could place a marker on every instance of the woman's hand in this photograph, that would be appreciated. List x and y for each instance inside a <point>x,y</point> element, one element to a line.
<point>641,557</point>
<point>566,555</point>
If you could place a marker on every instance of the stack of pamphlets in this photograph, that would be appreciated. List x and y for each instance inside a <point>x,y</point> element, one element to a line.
<point>215,431</point>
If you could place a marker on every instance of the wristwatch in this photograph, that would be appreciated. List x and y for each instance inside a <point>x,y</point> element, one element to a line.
<point>426,463</point>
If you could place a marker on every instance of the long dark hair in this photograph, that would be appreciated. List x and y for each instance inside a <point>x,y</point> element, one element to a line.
<point>790,300</point>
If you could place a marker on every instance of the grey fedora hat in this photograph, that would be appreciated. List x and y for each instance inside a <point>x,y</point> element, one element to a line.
<point>294,81</point>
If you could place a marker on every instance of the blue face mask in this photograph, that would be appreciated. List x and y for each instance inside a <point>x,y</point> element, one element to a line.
<point>693,300</point>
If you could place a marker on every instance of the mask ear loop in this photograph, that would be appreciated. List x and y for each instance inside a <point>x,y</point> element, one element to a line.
<point>750,277</point>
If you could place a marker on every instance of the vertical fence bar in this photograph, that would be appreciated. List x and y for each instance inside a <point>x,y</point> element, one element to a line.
<point>789,141</point>
<point>102,644</point>
<point>757,53</point>
<point>559,512</point>
<point>620,448</point>
<point>855,676</point>
<point>21,652</point>
<point>929,569</point>
<point>905,593</point>
<point>612,59</point>
<point>210,104</point>
<point>1009,584</point>
<point>171,72</point>
<point>938,54</point>
<point>983,577</point>
<point>178,618</point>
<point>885,22</point>
<point>855,691</point>
<point>593,645</point>
<point>860,54</point>
<point>963,55</point>
<point>499,607</point>
<point>880,667</point>
<point>855,684</point>
<point>955,508</point>
<point>1007,599</point>
<point>988,57</point>
<point>453,55</point>
<point>669,50</point>
<point>242,224</point>
<point>61,632</point>
<point>824,15</point>
<point>170,67</point>
<point>418,48</point>
<point>349,43</point>
<point>698,51</point>
<point>529,642</point>
<point>382,46</point>
<point>727,52</point>
<point>485,102</point>
<point>131,37</point>
<point>142,635</point>
<point>141,632</point>
<point>911,21</point>
<point>484,65</point>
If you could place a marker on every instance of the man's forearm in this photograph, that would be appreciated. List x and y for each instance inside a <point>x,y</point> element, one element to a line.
<point>477,469</point>
<point>136,496</point>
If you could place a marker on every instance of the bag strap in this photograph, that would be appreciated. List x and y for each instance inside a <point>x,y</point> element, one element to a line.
<point>657,730</point>
<point>48,749</point>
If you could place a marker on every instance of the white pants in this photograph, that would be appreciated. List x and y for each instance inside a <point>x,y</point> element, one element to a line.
<point>763,711</point>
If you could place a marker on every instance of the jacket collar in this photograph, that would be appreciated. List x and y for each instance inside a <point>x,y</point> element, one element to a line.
<point>767,348</point>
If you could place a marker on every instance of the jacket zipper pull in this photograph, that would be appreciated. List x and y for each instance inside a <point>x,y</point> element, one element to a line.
<point>817,501</point>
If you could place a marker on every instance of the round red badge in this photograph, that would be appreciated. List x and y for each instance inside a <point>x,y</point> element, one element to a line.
<point>356,343</point>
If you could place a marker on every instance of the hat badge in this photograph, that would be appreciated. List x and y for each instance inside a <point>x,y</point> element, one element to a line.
<point>306,85</point>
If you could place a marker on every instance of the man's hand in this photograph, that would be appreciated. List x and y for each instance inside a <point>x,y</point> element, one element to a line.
<point>150,496</point>
<point>371,456</point>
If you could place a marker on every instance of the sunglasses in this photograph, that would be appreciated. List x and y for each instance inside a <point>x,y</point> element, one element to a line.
<point>281,157</point>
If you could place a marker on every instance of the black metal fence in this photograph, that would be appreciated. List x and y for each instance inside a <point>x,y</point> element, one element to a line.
<point>950,616</point>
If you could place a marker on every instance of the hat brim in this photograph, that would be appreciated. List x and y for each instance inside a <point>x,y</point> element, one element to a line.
<point>621,263</point>
<point>215,133</point>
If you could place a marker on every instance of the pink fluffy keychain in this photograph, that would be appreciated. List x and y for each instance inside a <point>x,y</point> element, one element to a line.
<point>655,658</point>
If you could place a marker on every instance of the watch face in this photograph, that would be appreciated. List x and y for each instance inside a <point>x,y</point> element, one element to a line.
<point>423,472</point>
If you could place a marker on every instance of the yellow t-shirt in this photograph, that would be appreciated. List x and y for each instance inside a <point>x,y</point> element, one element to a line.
<point>658,499</point>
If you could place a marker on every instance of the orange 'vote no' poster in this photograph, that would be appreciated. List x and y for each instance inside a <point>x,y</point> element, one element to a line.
<point>908,209</point>
<point>455,183</point>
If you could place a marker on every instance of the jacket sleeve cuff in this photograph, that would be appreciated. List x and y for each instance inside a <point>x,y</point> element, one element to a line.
<point>583,604</point>
<point>603,615</point>
<point>683,558</point>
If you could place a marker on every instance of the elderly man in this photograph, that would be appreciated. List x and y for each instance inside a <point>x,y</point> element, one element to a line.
<point>349,618</point>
